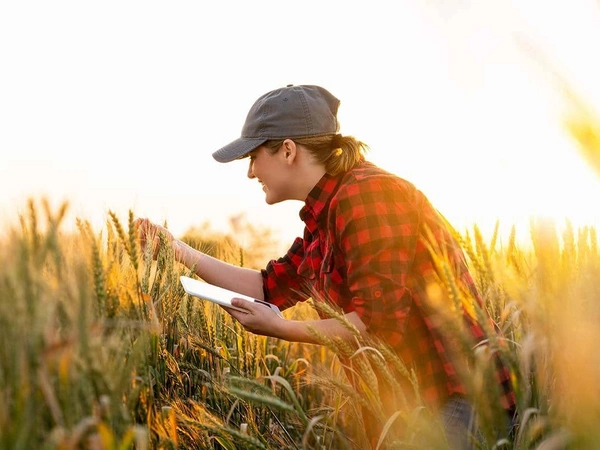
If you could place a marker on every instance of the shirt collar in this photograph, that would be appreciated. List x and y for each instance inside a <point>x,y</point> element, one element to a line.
<point>318,198</point>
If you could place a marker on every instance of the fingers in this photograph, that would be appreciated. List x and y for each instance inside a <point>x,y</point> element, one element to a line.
<point>242,303</point>
<point>148,235</point>
<point>257,319</point>
<point>240,316</point>
<point>235,313</point>
<point>143,228</point>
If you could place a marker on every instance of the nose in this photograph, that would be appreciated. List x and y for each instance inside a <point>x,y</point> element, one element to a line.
<point>250,171</point>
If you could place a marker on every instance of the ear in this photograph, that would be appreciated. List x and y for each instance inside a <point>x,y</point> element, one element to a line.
<point>289,150</point>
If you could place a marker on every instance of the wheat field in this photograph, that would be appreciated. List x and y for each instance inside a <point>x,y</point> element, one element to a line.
<point>102,349</point>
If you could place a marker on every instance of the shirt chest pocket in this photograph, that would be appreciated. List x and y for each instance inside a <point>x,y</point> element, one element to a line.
<point>333,280</point>
<point>314,266</point>
<point>329,273</point>
<point>327,264</point>
<point>310,267</point>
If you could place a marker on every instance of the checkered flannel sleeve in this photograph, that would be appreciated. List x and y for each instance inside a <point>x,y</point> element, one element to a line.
<point>281,284</point>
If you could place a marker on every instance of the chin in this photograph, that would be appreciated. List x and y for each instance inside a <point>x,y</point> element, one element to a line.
<point>272,201</point>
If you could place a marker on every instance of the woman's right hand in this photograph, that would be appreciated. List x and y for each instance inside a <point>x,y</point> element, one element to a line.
<point>150,234</point>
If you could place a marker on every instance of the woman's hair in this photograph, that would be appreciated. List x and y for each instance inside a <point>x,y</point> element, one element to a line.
<point>338,153</point>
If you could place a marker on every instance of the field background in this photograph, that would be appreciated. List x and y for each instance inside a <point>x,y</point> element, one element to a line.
<point>101,348</point>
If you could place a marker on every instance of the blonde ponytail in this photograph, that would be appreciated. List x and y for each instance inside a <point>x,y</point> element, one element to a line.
<point>336,152</point>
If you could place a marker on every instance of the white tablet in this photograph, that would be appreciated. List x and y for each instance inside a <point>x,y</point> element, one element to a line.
<point>218,294</point>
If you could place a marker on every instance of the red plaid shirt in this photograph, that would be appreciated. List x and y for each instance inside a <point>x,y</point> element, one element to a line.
<point>364,249</point>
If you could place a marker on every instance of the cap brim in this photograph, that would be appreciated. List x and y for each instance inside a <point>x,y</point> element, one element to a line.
<point>236,149</point>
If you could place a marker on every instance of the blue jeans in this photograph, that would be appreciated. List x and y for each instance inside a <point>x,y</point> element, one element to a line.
<point>460,424</point>
<point>458,419</point>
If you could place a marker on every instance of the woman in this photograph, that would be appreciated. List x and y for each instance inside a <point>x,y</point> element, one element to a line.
<point>366,248</point>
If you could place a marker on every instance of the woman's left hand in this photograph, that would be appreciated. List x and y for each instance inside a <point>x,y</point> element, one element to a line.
<point>258,319</point>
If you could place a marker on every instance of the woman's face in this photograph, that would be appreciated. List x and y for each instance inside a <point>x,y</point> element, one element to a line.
<point>272,172</point>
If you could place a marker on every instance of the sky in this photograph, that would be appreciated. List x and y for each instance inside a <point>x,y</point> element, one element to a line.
<point>118,105</point>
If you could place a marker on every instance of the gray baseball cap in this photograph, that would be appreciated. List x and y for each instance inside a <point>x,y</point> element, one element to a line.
<point>289,112</point>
